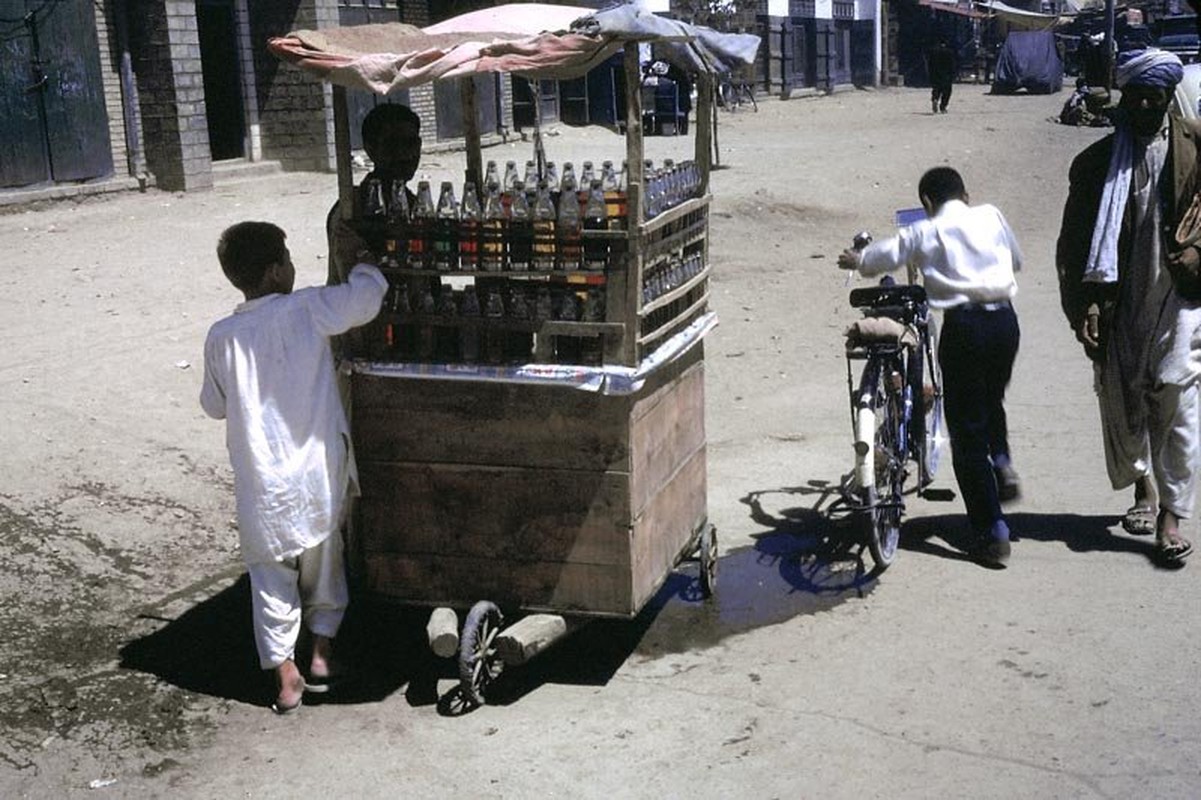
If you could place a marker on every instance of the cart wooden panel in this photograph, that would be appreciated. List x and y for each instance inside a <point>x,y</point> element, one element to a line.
<point>538,497</point>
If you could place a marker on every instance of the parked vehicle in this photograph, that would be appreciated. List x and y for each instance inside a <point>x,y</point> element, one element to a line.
<point>1178,34</point>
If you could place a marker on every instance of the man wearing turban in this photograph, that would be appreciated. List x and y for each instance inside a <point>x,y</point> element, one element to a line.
<point>1116,257</point>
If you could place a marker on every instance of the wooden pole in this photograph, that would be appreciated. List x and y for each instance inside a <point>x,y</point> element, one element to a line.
<point>471,133</point>
<point>635,180</point>
<point>705,129</point>
<point>345,169</point>
<point>443,632</point>
<point>529,636</point>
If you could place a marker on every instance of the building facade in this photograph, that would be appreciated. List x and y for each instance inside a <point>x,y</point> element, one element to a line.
<point>98,95</point>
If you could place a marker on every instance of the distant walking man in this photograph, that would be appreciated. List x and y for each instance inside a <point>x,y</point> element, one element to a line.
<point>940,67</point>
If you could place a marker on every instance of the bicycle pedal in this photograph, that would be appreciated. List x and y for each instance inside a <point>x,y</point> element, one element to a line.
<point>937,495</point>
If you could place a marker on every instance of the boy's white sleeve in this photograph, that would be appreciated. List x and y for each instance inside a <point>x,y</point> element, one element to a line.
<point>212,396</point>
<point>336,309</point>
<point>887,255</point>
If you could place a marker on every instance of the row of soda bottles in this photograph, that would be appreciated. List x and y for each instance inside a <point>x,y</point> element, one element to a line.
<point>534,224</point>
<point>421,323</point>
<point>670,274</point>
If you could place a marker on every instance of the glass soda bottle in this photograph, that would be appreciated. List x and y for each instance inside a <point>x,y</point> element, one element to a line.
<point>427,307</point>
<point>491,174</point>
<point>494,234</point>
<point>531,174</point>
<point>587,176</point>
<point>596,249</point>
<point>470,224</point>
<point>518,344</point>
<point>544,230</point>
<point>469,336</point>
<point>569,182</point>
<point>374,205</point>
<point>421,228</point>
<point>521,231</point>
<point>552,174</point>
<point>446,230</point>
<point>494,338</point>
<point>446,337</point>
<point>398,222</point>
<point>614,197</point>
<point>570,255</point>
<point>511,176</point>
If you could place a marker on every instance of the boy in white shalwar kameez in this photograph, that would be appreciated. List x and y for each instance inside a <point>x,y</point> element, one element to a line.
<point>269,372</point>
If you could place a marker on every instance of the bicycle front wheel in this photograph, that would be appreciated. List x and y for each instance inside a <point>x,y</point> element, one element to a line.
<point>886,504</point>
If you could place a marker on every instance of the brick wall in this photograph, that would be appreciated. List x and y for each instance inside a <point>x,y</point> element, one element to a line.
<point>171,93</point>
<point>110,76</point>
<point>294,110</point>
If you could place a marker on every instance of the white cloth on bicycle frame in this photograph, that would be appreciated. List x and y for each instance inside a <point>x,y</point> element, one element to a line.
<point>967,254</point>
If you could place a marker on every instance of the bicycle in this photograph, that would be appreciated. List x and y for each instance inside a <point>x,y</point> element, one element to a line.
<point>731,93</point>
<point>896,409</point>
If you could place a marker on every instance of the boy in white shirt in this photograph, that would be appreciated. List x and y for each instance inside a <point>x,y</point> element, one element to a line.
<point>968,256</point>
<point>269,372</point>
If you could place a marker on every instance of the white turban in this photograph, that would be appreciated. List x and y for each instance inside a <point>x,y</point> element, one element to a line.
<point>1148,67</point>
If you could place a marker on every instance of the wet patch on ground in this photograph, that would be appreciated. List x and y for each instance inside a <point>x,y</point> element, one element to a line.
<point>63,606</point>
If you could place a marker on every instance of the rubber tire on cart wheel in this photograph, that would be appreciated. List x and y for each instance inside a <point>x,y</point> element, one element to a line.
<point>479,664</point>
<point>708,554</point>
<point>884,530</point>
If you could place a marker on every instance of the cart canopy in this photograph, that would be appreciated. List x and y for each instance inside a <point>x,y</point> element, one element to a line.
<point>532,39</point>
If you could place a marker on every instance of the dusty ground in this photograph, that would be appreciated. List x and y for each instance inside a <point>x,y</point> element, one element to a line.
<point>127,665</point>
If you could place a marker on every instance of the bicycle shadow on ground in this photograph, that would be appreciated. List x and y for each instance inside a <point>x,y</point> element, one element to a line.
<point>817,548</point>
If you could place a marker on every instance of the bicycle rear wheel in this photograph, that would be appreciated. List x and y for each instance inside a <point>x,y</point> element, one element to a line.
<point>885,501</point>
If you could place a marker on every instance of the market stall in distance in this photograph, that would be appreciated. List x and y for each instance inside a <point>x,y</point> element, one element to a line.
<point>530,436</point>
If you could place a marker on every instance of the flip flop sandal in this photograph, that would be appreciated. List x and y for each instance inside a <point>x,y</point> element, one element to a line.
<point>322,685</point>
<point>1139,520</point>
<point>1174,550</point>
<point>282,710</point>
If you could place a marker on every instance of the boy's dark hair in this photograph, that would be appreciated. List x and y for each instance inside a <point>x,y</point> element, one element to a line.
<point>247,249</point>
<point>388,114</point>
<point>941,184</point>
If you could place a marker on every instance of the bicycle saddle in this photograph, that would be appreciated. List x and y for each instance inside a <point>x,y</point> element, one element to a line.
<point>895,295</point>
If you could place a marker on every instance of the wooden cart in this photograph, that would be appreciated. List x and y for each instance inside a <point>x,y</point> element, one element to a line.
<point>484,488</point>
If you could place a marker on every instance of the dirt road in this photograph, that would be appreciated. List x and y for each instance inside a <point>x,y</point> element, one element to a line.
<point>126,663</point>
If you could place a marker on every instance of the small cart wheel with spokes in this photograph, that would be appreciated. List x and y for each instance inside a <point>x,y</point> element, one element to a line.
<point>708,555</point>
<point>479,664</point>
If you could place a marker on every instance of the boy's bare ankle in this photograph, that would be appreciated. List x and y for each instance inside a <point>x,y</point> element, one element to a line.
<point>323,664</point>
<point>289,684</point>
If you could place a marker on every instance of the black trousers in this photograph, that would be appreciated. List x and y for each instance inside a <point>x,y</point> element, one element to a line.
<point>976,352</point>
<point>940,93</point>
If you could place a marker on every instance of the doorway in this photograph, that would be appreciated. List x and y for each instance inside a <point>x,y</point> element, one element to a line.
<point>216,25</point>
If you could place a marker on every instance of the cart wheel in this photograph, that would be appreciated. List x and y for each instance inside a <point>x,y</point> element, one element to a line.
<point>478,662</point>
<point>708,548</point>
